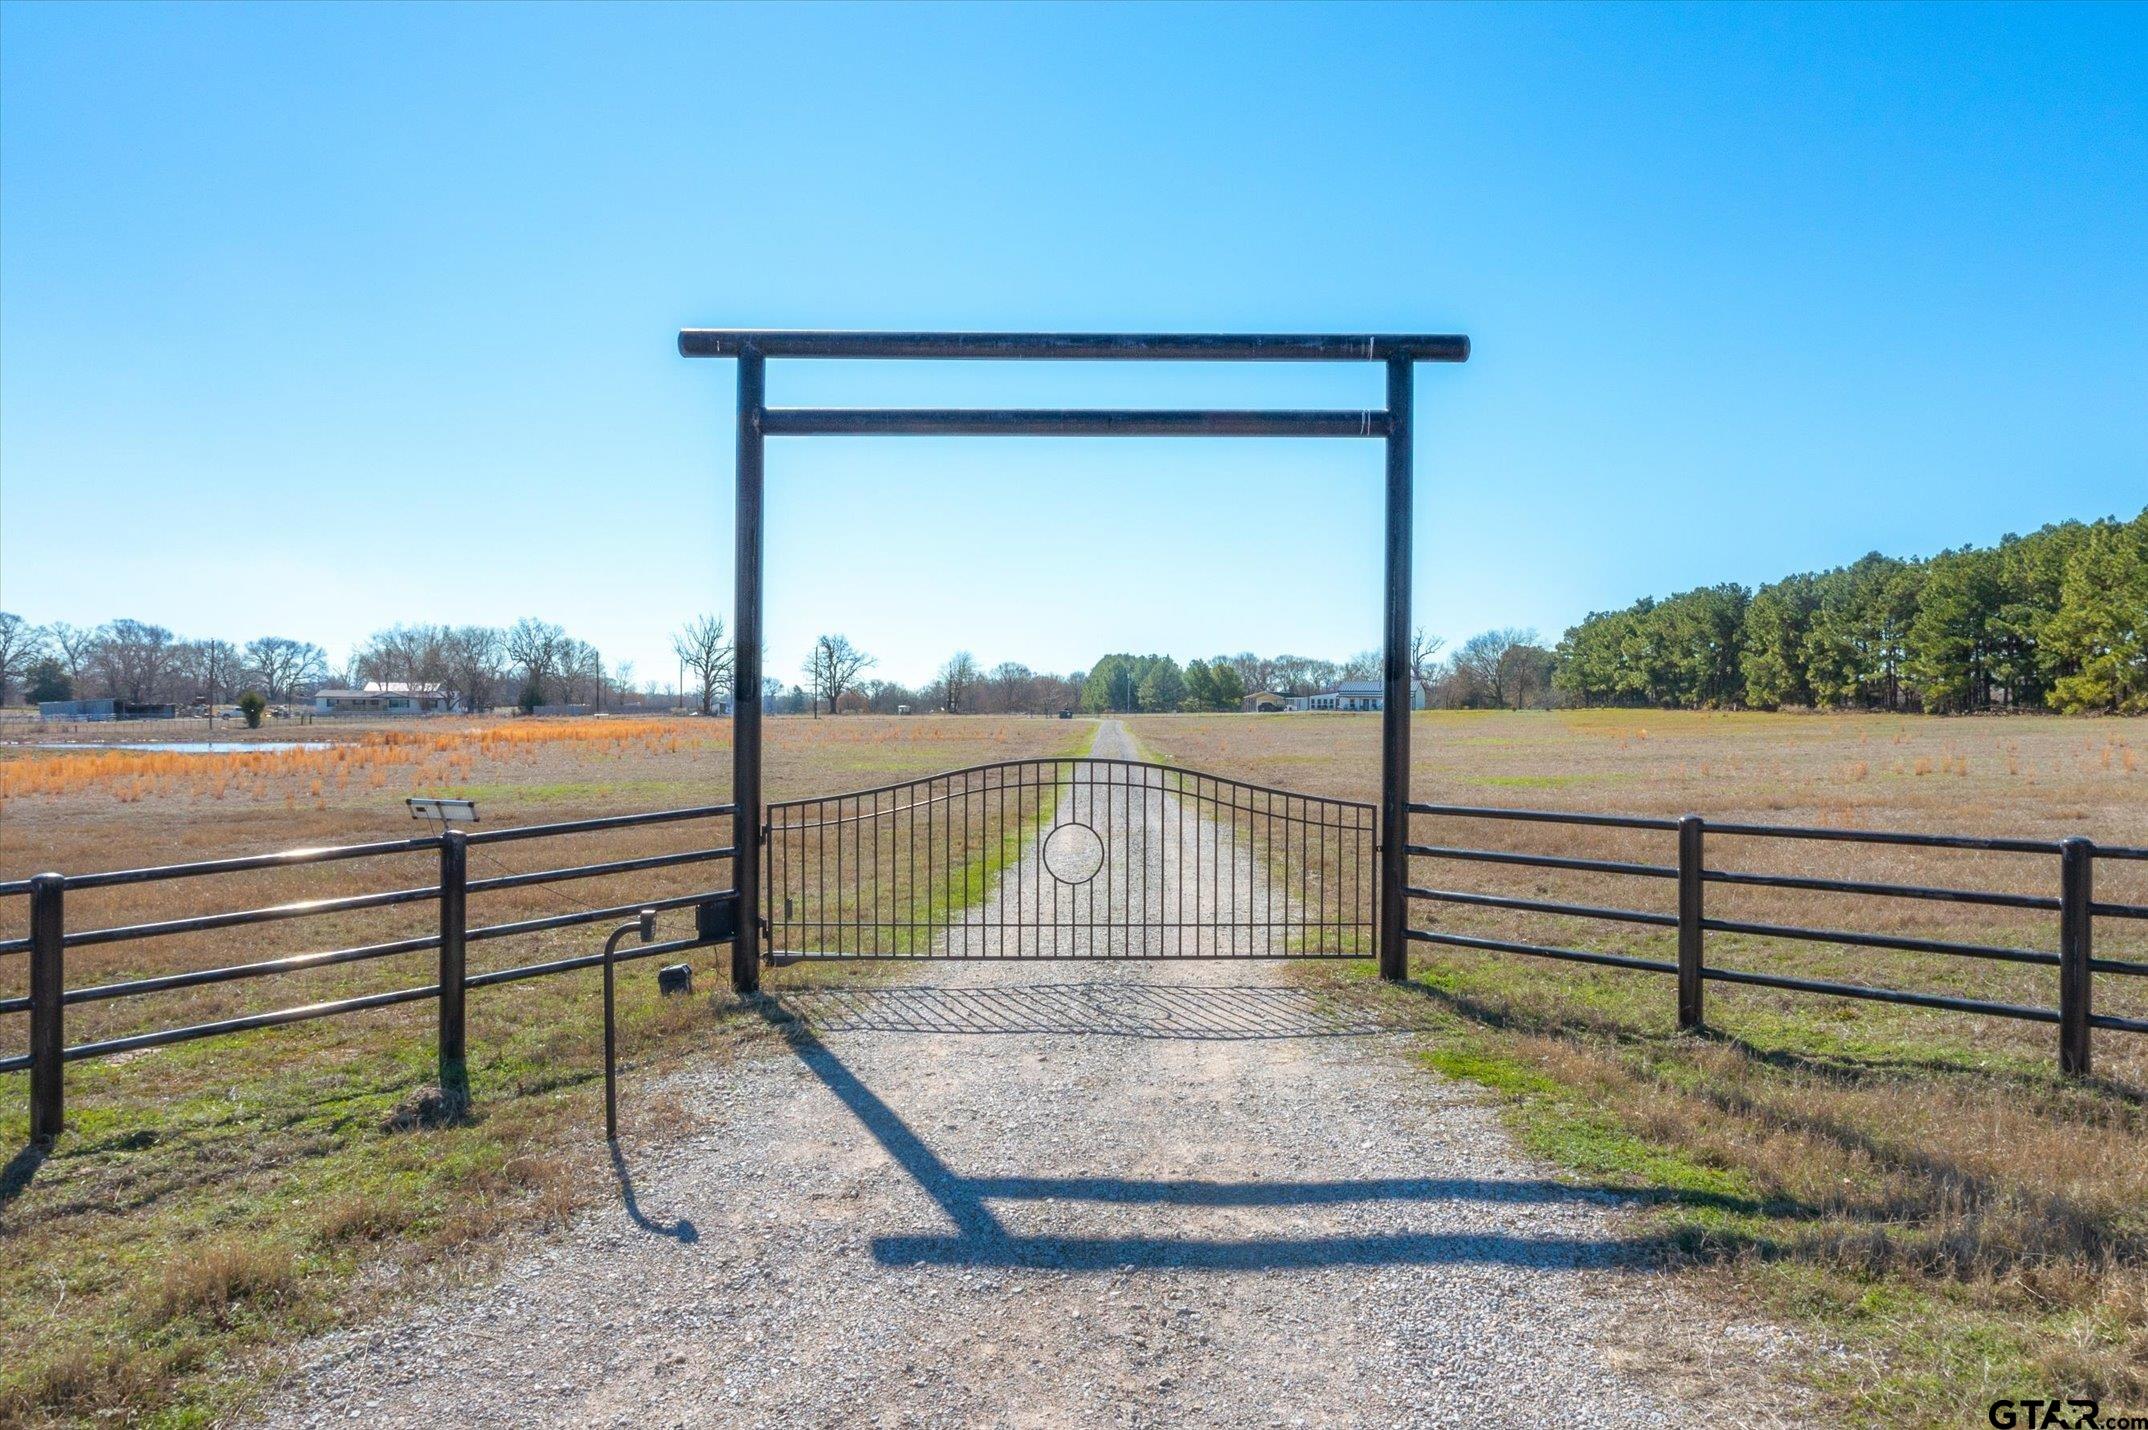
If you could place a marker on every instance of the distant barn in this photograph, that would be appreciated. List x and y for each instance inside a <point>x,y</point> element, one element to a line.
<point>103,710</point>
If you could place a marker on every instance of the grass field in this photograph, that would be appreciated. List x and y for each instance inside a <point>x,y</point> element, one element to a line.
<point>291,1165</point>
<point>1920,1184</point>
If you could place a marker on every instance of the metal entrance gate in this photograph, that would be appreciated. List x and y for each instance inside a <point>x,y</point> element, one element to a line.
<point>1070,858</point>
<point>1391,425</point>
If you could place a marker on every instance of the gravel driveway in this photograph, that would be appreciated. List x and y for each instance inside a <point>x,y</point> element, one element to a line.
<point>1053,1194</point>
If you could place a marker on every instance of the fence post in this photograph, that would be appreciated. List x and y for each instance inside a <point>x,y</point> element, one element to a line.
<point>1689,923</point>
<point>2077,865</point>
<point>746,677</point>
<point>454,901</point>
<point>48,987</point>
<point>1395,679</point>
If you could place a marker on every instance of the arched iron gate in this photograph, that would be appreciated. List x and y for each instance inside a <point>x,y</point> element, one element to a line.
<point>1070,858</point>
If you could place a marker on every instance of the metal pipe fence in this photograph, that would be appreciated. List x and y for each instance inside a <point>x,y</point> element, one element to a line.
<point>2073,901</point>
<point>49,939</point>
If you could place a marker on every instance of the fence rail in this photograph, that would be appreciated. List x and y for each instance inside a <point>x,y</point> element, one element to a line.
<point>49,939</point>
<point>2074,902</point>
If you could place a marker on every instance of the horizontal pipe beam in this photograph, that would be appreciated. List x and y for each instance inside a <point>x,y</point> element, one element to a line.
<point>585,916</point>
<point>1881,940</point>
<point>1881,995</point>
<point>1544,816</point>
<point>582,960</point>
<point>1892,891</point>
<point>604,821</point>
<point>1054,347</point>
<point>1765,831</point>
<point>1062,422</point>
<point>281,859</point>
<point>294,963</point>
<point>1542,906</point>
<point>272,913</point>
<point>593,871</point>
<point>1889,836</point>
<point>1532,950</point>
<point>1542,861</point>
<point>167,1036</point>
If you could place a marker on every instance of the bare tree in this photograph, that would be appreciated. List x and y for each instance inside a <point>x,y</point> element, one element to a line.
<point>207,671</point>
<point>72,646</point>
<point>133,659</point>
<point>581,673</point>
<point>536,647</point>
<point>1302,675</point>
<point>832,667</point>
<point>1425,662</point>
<point>1010,685</point>
<point>1365,665</point>
<point>1255,672</point>
<point>700,646</point>
<point>1481,661</point>
<point>473,661</point>
<point>1525,674</point>
<point>282,665</point>
<point>957,678</point>
<point>409,656</point>
<point>20,643</point>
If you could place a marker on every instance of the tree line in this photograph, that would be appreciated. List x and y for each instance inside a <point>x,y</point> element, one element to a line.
<point>2055,620</point>
<point>535,663</point>
<point>145,663</point>
<point>530,663</point>
<point>1499,668</point>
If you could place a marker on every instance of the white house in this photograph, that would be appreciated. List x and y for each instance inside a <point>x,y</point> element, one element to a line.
<point>393,697</point>
<point>1353,695</point>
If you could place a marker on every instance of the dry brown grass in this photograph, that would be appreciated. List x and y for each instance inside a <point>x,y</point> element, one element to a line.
<point>219,1196</point>
<point>1921,1182</point>
<point>209,1279</point>
<point>520,772</point>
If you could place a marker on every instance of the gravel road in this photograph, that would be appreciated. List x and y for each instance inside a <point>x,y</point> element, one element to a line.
<point>1064,1194</point>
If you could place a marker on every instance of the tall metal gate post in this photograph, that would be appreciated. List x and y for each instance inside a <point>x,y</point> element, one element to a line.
<point>454,921</point>
<point>48,985</point>
<point>2077,864</point>
<point>1395,671</point>
<point>746,680</point>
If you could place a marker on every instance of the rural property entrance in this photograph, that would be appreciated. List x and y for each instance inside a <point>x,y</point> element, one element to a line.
<point>1069,858</point>
<point>1036,837</point>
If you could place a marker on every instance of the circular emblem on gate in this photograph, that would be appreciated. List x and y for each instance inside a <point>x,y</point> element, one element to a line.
<point>1073,853</point>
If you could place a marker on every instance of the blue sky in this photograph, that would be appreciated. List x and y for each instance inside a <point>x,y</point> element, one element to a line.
<point>317,319</point>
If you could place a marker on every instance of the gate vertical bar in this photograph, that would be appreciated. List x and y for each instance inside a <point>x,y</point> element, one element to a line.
<point>746,678</point>
<point>454,922</point>
<point>2076,947</point>
<point>1395,672</point>
<point>48,992</point>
